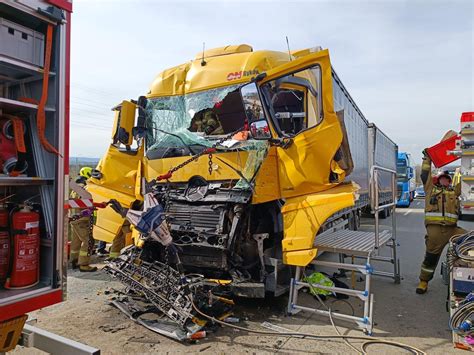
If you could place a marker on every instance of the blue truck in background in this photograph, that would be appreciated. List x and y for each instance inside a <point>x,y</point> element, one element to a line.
<point>406,183</point>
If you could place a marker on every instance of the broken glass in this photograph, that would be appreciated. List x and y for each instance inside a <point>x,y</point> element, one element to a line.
<point>257,151</point>
<point>180,125</point>
<point>195,117</point>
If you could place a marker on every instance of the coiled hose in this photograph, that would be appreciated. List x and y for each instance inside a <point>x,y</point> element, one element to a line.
<point>464,313</point>
<point>459,247</point>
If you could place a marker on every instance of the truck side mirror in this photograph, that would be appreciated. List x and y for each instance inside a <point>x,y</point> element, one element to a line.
<point>253,107</point>
<point>260,130</point>
<point>124,122</point>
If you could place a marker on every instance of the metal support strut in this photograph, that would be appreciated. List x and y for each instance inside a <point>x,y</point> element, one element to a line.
<point>33,337</point>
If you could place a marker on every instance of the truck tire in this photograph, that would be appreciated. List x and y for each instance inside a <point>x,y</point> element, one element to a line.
<point>383,214</point>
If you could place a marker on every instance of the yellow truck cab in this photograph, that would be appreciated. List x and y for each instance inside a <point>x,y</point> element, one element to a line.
<point>247,155</point>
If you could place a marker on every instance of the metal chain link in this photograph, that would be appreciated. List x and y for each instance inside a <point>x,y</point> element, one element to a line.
<point>210,163</point>
<point>167,256</point>
<point>91,244</point>
<point>208,151</point>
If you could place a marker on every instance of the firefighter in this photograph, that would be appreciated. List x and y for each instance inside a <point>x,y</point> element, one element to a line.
<point>80,230</point>
<point>441,216</point>
<point>119,241</point>
<point>206,121</point>
<point>86,172</point>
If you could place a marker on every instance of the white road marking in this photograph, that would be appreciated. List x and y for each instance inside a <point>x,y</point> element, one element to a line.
<point>407,212</point>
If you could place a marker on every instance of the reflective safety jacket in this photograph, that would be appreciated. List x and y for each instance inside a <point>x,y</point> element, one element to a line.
<point>441,203</point>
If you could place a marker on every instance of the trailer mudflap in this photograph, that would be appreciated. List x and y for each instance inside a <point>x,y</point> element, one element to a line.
<point>304,215</point>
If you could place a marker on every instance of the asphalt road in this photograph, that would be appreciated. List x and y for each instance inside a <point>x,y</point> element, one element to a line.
<point>400,314</point>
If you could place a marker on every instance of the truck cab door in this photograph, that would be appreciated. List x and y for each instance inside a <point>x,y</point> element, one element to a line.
<point>118,174</point>
<point>299,101</point>
<point>312,161</point>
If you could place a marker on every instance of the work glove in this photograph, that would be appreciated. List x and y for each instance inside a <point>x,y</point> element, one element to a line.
<point>426,156</point>
<point>117,207</point>
<point>86,213</point>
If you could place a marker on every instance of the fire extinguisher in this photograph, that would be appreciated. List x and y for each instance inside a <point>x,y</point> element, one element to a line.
<point>25,247</point>
<point>4,244</point>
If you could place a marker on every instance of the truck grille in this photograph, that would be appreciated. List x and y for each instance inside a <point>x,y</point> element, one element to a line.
<point>199,218</point>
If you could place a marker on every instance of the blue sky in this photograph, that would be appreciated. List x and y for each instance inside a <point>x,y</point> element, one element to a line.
<point>408,64</point>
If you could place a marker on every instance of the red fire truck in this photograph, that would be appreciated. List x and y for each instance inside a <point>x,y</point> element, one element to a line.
<point>34,164</point>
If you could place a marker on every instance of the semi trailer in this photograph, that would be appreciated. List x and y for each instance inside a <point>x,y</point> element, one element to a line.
<point>251,154</point>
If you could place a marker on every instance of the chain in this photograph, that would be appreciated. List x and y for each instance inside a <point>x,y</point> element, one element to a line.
<point>208,151</point>
<point>168,175</point>
<point>91,243</point>
<point>167,256</point>
<point>210,163</point>
<point>167,198</point>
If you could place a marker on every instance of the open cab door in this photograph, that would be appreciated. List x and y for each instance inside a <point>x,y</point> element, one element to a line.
<point>118,173</point>
<point>298,104</point>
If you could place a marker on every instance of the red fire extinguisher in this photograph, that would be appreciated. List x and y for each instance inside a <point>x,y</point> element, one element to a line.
<point>4,244</point>
<point>25,246</point>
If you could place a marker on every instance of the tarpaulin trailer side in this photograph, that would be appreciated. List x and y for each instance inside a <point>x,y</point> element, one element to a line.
<point>368,144</point>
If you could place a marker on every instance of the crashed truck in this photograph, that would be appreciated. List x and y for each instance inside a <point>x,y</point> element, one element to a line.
<point>251,154</point>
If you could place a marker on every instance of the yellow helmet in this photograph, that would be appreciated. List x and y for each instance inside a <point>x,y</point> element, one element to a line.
<point>86,172</point>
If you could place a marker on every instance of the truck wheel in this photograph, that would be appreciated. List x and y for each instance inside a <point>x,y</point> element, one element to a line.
<point>383,214</point>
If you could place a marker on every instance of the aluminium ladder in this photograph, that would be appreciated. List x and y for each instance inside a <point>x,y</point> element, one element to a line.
<point>355,244</point>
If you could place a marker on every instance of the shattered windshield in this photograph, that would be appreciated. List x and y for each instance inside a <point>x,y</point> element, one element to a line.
<point>185,125</point>
<point>179,125</point>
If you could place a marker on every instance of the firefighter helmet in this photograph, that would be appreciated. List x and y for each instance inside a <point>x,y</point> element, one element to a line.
<point>86,172</point>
